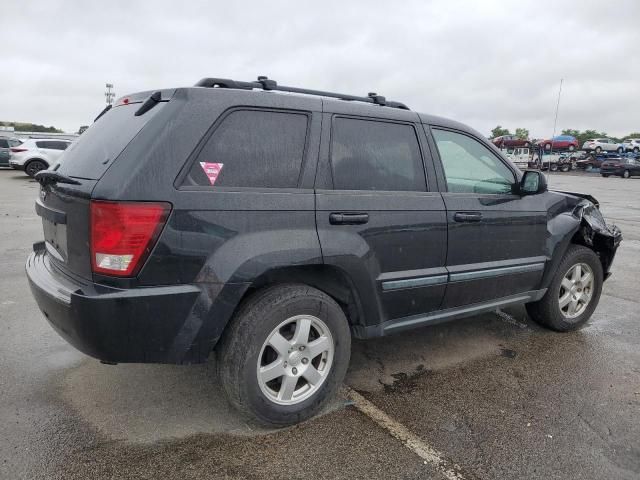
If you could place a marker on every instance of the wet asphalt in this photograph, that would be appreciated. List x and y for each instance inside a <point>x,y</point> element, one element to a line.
<point>496,394</point>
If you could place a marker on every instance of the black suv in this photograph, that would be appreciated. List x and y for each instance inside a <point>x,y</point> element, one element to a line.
<point>272,227</point>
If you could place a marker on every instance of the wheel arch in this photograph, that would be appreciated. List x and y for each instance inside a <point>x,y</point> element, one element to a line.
<point>327,278</point>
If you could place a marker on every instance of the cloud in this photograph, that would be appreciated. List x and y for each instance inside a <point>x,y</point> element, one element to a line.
<point>482,63</point>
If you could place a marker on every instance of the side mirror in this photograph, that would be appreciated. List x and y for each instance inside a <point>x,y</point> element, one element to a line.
<point>533,182</point>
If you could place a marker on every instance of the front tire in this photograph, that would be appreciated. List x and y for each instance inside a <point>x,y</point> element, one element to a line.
<point>573,294</point>
<point>285,354</point>
<point>620,150</point>
<point>626,174</point>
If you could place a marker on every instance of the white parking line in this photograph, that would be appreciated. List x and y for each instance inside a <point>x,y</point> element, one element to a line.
<point>414,443</point>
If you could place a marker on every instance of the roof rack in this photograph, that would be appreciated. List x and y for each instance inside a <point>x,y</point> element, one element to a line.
<point>265,83</point>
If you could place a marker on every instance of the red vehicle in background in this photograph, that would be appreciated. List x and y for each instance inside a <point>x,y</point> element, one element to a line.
<point>510,141</point>
<point>560,142</point>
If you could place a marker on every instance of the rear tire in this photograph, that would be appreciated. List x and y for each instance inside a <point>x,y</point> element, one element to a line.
<point>626,174</point>
<point>553,167</point>
<point>620,150</point>
<point>553,311</point>
<point>34,166</point>
<point>266,335</point>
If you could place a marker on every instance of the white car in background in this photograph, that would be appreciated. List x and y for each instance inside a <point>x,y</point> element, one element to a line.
<point>602,145</point>
<point>632,145</point>
<point>37,154</point>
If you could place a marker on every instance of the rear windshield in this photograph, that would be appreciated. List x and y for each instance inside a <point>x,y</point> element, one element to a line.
<point>94,151</point>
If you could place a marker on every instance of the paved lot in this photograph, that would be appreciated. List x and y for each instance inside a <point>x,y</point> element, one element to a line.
<point>496,395</point>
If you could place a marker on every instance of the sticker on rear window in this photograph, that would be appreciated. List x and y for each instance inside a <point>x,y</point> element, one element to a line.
<point>211,170</point>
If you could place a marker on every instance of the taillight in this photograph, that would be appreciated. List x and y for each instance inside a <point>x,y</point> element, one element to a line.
<point>18,150</point>
<point>123,234</point>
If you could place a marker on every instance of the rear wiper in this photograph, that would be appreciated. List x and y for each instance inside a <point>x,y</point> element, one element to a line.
<point>105,110</point>
<point>47,177</point>
<point>149,103</point>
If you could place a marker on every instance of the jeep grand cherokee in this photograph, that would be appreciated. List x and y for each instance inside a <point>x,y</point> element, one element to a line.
<point>272,224</point>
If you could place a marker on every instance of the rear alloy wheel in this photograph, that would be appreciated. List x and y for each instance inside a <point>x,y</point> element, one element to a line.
<point>34,166</point>
<point>284,355</point>
<point>626,174</point>
<point>573,294</point>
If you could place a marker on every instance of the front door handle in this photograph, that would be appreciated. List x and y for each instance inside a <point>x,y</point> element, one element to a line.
<point>467,217</point>
<point>348,218</point>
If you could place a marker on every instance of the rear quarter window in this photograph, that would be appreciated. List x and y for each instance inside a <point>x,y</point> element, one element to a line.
<point>252,148</point>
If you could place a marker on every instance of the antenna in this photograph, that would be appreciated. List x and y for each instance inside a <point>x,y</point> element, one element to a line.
<point>555,124</point>
<point>109,94</point>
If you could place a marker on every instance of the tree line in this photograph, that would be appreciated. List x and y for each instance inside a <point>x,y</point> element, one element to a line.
<point>582,136</point>
<point>30,127</point>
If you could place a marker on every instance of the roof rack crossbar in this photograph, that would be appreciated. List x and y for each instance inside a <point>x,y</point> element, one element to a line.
<point>265,83</point>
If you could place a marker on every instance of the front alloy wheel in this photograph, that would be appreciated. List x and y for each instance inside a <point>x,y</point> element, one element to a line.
<point>576,289</point>
<point>573,293</point>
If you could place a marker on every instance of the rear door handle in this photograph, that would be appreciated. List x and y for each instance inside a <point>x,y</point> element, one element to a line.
<point>348,218</point>
<point>467,216</point>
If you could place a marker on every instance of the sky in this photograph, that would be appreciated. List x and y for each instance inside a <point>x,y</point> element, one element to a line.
<point>484,63</point>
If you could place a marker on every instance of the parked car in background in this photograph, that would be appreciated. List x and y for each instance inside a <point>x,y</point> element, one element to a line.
<point>510,141</point>
<point>5,150</point>
<point>559,142</point>
<point>602,145</point>
<point>631,145</point>
<point>622,167</point>
<point>37,154</point>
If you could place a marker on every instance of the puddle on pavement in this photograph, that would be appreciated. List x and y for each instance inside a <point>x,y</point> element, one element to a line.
<point>147,403</point>
<point>396,362</point>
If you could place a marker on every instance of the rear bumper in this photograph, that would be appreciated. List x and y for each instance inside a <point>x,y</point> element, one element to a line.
<point>151,324</point>
<point>16,165</point>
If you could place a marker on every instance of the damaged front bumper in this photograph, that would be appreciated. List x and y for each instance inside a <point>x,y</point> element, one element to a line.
<point>595,233</point>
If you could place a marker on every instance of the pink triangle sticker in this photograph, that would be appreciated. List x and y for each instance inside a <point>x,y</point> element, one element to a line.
<point>211,170</point>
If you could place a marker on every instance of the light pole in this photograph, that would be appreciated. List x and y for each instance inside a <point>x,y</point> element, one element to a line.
<point>109,94</point>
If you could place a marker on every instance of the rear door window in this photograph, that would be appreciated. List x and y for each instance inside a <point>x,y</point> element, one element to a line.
<point>375,155</point>
<point>252,148</point>
<point>96,149</point>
